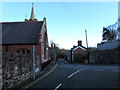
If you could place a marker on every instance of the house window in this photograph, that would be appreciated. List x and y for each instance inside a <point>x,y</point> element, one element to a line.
<point>25,51</point>
<point>18,51</point>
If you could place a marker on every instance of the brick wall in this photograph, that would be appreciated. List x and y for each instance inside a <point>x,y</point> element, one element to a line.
<point>14,48</point>
<point>79,50</point>
<point>79,55</point>
<point>39,50</point>
<point>16,68</point>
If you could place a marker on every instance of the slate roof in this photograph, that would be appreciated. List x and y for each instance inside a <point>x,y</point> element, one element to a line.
<point>21,32</point>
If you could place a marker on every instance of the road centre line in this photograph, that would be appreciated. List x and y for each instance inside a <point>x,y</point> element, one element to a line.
<point>58,86</point>
<point>75,73</point>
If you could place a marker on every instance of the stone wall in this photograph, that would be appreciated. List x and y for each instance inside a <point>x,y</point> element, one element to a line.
<point>17,68</point>
<point>111,56</point>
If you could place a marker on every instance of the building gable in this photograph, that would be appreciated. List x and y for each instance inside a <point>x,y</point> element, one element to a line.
<point>79,47</point>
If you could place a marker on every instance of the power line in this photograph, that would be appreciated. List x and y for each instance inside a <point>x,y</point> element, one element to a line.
<point>68,9</point>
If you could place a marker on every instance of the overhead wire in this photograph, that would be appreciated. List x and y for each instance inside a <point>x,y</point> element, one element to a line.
<point>71,13</point>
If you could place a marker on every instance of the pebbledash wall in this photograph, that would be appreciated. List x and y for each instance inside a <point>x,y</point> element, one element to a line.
<point>16,68</point>
<point>109,45</point>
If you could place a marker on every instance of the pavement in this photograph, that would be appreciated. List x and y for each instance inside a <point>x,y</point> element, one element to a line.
<point>42,74</point>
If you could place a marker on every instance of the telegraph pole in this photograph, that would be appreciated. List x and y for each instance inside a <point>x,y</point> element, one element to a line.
<point>86,38</point>
<point>87,45</point>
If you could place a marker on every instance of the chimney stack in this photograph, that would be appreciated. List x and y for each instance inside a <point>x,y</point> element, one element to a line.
<point>79,43</point>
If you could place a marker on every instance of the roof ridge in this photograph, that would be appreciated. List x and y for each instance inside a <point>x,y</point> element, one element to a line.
<point>18,22</point>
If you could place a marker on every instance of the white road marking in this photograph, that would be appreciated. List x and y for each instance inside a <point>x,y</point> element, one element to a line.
<point>27,86</point>
<point>99,69</point>
<point>75,73</point>
<point>58,86</point>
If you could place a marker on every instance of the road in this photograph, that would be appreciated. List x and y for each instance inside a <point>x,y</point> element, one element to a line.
<point>80,76</point>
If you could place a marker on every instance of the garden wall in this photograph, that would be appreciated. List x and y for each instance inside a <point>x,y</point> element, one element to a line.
<point>111,56</point>
<point>16,68</point>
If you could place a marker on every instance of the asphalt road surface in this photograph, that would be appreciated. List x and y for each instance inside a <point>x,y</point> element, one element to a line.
<point>80,76</point>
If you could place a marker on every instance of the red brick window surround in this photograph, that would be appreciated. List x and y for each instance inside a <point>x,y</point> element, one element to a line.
<point>25,51</point>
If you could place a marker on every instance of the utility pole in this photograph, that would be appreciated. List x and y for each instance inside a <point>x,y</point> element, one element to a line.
<point>87,45</point>
<point>86,38</point>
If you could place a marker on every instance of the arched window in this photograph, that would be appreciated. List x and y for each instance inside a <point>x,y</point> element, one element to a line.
<point>25,51</point>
